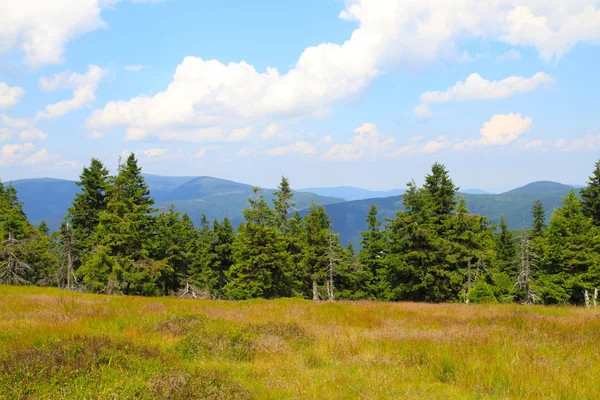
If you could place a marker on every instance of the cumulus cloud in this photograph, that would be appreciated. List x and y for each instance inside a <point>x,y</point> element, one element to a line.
<point>27,132</point>
<point>41,28</point>
<point>207,99</point>
<point>298,148</point>
<point>13,153</point>
<point>84,86</point>
<point>366,141</point>
<point>156,152</point>
<point>9,95</point>
<point>477,88</point>
<point>512,54</point>
<point>500,130</point>
<point>38,157</point>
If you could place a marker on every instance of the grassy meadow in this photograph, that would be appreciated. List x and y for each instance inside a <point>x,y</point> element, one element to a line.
<point>62,345</point>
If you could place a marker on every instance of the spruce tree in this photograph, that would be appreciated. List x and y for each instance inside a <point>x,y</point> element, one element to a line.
<point>220,258</point>
<point>371,255</point>
<point>539,219</point>
<point>261,262</point>
<point>590,196</point>
<point>43,228</point>
<point>282,204</point>
<point>506,249</point>
<point>441,190</point>
<point>121,261</point>
<point>84,213</point>
<point>571,263</point>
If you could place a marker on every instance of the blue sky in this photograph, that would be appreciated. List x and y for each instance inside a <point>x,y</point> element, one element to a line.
<point>365,93</point>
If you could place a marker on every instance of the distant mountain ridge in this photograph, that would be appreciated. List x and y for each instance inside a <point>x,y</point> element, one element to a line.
<point>350,193</point>
<point>348,219</point>
<point>48,199</point>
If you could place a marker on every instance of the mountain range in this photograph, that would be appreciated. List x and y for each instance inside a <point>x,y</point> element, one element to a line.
<point>48,199</point>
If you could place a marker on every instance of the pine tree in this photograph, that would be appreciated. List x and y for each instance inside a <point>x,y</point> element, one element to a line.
<point>84,213</point>
<point>590,196</point>
<point>505,249</point>
<point>261,267</point>
<point>441,190</point>
<point>371,255</point>
<point>571,263</point>
<point>220,258</point>
<point>124,236</point>
<point>282,204</point>
<point>43,229</point>
<point>539,219</point>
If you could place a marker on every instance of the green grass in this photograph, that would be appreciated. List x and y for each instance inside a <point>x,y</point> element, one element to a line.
<point>62,345</point>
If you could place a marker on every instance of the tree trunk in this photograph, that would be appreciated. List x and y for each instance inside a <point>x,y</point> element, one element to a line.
<point>315,291</point>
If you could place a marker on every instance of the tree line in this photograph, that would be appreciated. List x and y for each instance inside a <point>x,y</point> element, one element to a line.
<point>114,241</point>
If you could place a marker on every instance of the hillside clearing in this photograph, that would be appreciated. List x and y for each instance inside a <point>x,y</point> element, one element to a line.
<point>56,344</point>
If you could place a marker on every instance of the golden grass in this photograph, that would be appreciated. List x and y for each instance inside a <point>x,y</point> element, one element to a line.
<point>58,345</point>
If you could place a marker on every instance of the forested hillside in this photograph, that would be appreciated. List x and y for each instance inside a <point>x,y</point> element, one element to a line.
<point>349,218</point>
<point>48,200</point>
<point>115,240</point>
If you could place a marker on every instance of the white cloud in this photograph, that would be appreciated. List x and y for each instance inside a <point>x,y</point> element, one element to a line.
<point>41,28</point>
<point>511,54</point>
<point>416,147</point>
<point>156,152</point>
<point>38,157</point>
<point>367,141</point>
<point>500,130</point>
<point>9,95</point>
<point>209,98</point>
<point>298,148</point>
<point>552,27</point>
<point>14,123</point>
<point>591,141</point>
<point>134,68</point>
<point>13,153</point>
<point>84,86</point>
<point>274,131</point>
<point>32,134</point>
<point>477,88</point>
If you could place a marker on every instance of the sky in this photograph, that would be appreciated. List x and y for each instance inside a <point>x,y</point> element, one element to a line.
<point>365,93</point>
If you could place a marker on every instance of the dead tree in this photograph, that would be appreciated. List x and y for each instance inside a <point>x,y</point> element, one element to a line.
<point>525,279</point>
<point>68,244</point>
<point>595,296</point>
<point>315,290</point>
<point>330,267</point>
<point>586,297</point>
<point>12,269</point>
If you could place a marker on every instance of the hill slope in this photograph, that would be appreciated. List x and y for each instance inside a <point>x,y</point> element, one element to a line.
<point>48,199</point>
<point>352,193</point>
<point>348,219</point>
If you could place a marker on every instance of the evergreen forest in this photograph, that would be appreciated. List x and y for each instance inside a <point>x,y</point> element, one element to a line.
<point>115,241</point>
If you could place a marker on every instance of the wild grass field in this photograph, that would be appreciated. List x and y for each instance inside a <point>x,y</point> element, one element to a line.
<point>62,345</point>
